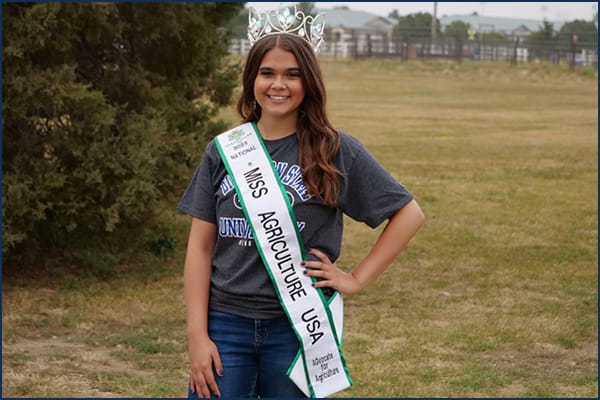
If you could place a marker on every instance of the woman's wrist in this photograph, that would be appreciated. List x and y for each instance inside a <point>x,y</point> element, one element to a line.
<point>197,331</point>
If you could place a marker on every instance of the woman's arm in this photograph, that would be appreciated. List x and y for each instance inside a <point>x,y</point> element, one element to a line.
<point>401,227</point>
<point>196,281</point>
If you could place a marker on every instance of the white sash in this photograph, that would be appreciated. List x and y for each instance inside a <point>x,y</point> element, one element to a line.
<point>319,370</point>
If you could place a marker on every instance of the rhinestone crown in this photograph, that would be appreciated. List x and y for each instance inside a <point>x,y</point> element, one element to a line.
<point>277,21</point>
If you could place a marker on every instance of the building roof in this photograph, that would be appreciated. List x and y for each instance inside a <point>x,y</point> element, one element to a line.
<point>497,24</point>
<point>351,19</point>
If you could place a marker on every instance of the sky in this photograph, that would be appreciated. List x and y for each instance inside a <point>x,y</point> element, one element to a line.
<point>551,11</point>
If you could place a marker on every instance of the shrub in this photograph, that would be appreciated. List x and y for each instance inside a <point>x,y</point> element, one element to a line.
<point>106,107</point>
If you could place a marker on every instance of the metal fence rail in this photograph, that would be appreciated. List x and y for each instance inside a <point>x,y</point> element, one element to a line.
<point>513,51</point>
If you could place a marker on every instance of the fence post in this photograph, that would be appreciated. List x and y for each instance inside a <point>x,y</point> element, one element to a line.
<point>514,57</point>
<point>573,48</point>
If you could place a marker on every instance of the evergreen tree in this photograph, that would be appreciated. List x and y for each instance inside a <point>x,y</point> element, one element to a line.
<point>307,8</point>
<point>457,30</point>
<point>412,26</point>
<point>106,108</point>
<point>586,31</point>
<point>239,25</point>
<point>543,44</point>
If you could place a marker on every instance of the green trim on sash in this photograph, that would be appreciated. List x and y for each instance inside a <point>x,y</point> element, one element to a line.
<point>295,223</point>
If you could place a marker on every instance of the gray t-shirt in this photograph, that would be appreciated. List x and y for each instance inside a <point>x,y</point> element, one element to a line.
<point>239,282</point>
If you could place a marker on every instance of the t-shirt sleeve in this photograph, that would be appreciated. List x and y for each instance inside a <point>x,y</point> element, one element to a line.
<point>199,199</point>
<point>369,193</point>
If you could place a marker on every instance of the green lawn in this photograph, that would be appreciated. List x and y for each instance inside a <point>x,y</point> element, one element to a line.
<point>497,295</point>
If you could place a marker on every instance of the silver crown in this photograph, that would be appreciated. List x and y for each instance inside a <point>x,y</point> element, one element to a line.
<point>277,21</point>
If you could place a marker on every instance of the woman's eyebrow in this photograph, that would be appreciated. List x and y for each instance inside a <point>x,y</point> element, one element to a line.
<point>267,68</point>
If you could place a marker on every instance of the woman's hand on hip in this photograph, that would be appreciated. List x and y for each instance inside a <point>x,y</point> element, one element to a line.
<point>330,275</point>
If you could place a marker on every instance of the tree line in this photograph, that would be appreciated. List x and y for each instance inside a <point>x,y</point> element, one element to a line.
<point>419,25</point>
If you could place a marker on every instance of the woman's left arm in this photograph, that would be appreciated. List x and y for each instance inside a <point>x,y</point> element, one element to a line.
<point>401,227</point>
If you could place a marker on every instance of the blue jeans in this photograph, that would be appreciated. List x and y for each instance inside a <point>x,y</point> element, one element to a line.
<point>256,355</point>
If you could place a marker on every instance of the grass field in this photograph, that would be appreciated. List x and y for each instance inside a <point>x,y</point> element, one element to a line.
<point>497,295</point>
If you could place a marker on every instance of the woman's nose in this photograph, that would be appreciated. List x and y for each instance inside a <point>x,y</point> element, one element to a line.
<point>278,82</point>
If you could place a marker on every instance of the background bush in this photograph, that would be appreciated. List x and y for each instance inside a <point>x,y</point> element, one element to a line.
<point>106,108</point>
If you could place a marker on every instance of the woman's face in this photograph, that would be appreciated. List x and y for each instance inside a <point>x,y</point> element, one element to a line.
<point>278,85</point>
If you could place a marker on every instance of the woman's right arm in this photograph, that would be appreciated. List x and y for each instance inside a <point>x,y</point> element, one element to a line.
<point>204,356</point>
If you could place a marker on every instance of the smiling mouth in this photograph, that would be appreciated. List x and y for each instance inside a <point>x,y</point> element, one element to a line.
<point>279,98</point>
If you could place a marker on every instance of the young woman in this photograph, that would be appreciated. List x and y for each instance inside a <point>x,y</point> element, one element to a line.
<point>240,340</point>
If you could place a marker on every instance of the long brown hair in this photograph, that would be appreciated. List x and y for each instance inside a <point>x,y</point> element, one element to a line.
<point>318,141</point>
